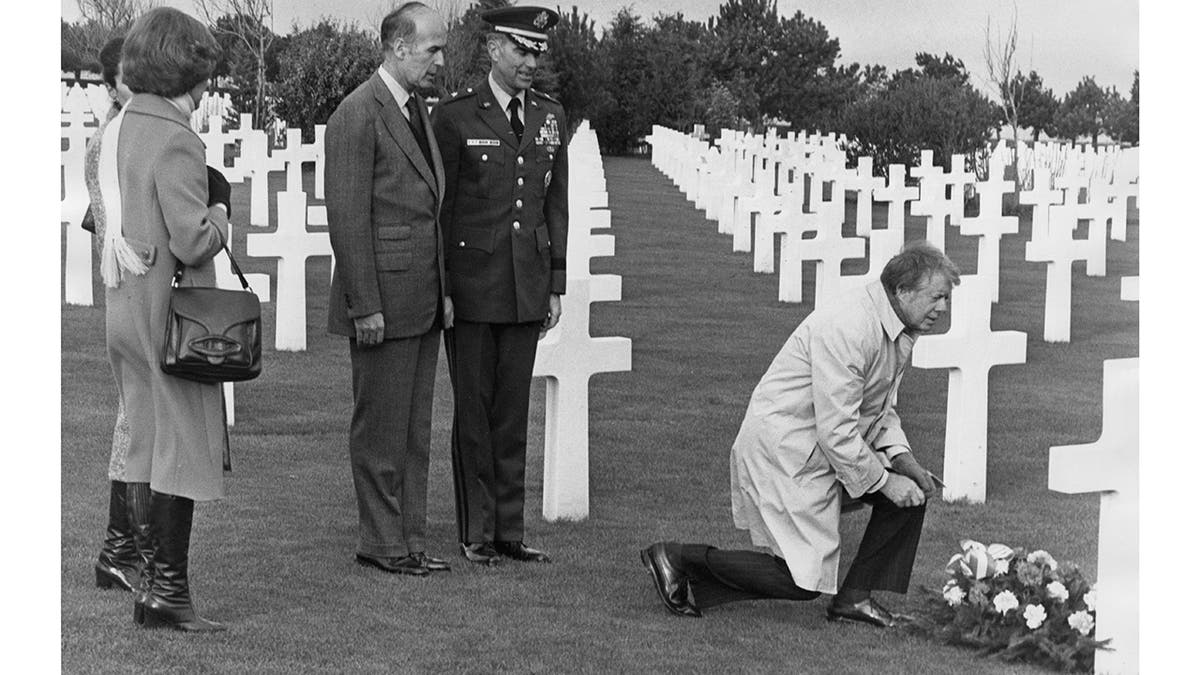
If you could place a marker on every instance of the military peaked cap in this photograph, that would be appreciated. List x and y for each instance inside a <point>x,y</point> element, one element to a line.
<point>525,26</point>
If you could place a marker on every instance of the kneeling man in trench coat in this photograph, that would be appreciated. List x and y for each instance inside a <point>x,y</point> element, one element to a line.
<point>821,425</point>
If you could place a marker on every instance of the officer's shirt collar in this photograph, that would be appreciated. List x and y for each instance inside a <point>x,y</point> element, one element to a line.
<point>503,98</point>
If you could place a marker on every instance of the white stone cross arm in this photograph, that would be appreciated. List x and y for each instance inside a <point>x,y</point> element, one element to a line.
<point>1110,466</point>
<point>1130,289</point>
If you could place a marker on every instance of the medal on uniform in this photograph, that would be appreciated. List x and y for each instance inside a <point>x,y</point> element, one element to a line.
<point>548,133</point>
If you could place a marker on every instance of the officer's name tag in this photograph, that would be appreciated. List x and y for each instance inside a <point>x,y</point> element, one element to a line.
<point>488,142</point>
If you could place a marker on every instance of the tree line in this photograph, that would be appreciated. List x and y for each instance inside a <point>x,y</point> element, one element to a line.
<point>747,68</point>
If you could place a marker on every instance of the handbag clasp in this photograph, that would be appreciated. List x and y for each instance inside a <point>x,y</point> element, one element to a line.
<point>216,348</point>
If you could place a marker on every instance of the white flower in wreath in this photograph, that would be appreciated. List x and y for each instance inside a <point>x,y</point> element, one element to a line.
<point>1005,602</point>
<point>1042,557</point>
<point>1081,621</point>
<point>1056,590</point>
<point>1002,566</point>
<point>1089,599</point>
<point>1035,616</point>
<point>953,594</point>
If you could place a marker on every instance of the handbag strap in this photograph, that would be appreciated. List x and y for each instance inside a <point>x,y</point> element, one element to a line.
<point>232,261</point>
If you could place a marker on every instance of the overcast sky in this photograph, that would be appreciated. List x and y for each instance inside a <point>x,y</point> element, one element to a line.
<point>1062,40</point>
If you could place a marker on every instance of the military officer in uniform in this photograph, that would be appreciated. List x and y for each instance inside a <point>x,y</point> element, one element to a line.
<point>505,220</point>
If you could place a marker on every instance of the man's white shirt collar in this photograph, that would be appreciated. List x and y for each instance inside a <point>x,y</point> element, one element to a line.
<point>398,92</point>
<point>503,98</point>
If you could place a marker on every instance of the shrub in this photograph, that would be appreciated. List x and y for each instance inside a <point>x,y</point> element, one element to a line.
<point>912,114</point>
<point>318,67</point>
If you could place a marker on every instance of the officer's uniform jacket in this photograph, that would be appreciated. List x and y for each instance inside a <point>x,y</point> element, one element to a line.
<point>505,209</point>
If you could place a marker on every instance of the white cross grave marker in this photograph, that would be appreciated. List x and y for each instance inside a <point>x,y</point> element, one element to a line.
<point>256,163</point>
<point>77,265</point>
<point>1059,249</point>
<point>259,283</point>
<point>828,248</point>
<point>568,355</point>
<point>896,194</point>
<point>1110,466</point>
<point>969,349</point>
<point>293,244</point>
<point>863,182</point>
<point>990,225</point>
<point>883,246</point>
<point>933,202</point>
<point>1041,196</point>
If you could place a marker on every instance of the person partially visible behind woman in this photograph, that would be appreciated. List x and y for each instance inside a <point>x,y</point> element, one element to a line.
<point>155,194</point>
<point>119,564</point>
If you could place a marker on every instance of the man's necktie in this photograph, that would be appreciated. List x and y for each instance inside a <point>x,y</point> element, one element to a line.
<point>514,117</point>
<point>418,129</point>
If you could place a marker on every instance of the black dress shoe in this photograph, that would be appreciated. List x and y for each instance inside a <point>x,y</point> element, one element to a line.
<point>401,565</point>
<point>669,581</point>
<point>481,554</point>
<point>431,563</point>
<point>866,611</point>
<point>517,550</point>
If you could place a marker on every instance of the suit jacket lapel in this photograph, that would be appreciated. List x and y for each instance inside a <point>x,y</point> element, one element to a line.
<point>398,127</point>
<point>438,171</point>
<point>495,116</point>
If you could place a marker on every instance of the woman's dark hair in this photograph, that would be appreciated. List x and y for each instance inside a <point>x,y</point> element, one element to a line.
<point>911,266</point>
<point>167,53</point>
<point>110,60</point>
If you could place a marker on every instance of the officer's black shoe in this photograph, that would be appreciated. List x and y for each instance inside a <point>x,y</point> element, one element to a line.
<point>517,550</point>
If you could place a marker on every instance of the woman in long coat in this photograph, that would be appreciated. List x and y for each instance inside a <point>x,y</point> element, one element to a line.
<point>118,565</point>
<point>156,201</point>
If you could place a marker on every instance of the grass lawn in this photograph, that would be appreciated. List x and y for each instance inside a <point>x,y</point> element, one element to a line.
<point>274,560</point>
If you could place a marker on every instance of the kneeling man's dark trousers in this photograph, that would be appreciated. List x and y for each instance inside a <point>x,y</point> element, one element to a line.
<point>884,562</point>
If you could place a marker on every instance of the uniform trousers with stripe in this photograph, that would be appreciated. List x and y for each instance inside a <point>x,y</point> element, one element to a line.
<point>884,562</point>
<point>491,367</point>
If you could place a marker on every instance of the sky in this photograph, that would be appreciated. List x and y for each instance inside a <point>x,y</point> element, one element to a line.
<point>1062,40</point>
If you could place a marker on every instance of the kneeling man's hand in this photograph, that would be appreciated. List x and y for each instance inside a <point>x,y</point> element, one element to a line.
<point>902,491</point>
<point>906,464</point>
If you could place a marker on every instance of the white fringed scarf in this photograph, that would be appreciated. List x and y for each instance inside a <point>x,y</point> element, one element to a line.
<point>117,254</point>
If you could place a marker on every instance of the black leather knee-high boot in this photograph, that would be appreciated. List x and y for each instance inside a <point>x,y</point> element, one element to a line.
<point>168,601</point>
<point>137,503</point>
<point>119,564</point>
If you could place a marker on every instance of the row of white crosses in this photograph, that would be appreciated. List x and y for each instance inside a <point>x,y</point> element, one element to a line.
<point>970,349</point>
<point>1110,164</point>
<point>1057,213</point>
<point>568,355</point>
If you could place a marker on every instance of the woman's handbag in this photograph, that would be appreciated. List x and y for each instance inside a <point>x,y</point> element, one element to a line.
<point>213,334</point>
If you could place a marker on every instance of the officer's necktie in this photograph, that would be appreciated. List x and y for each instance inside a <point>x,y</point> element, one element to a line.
<point>418,129</point>
<point>514,117</point>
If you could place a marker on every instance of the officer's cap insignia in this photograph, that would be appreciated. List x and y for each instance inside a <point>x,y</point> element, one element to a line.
<point>541,19</point>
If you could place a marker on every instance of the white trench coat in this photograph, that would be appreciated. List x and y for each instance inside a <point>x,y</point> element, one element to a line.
<point>821,419</point>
